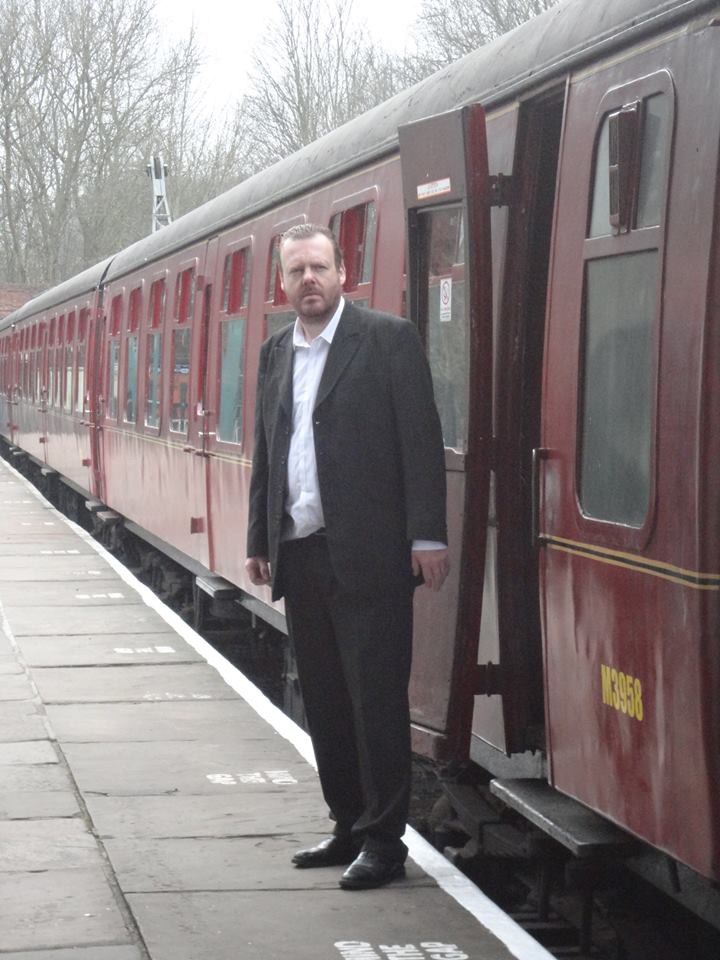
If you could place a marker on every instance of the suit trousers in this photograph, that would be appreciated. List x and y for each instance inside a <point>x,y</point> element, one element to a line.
<point>353,655</point>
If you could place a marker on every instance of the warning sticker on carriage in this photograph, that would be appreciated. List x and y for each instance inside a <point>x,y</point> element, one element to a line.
<point>428,950</point>
<point>445,300</point>
<point>435,188</point>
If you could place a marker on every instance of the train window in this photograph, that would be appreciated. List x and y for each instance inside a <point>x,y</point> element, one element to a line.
<point>618,388</point>
<point>116,315</point>
<point>656,135</point>
<point>113,379</point>
<point>152,390</point>
<point>275,292</point>
<point>68,402</point>
<point>446,325</point>
<point>185,295</point>
<point>235,285</point>
<point>153,356</point>
<point>180,381</point>
<point>80,359</point>
<point>59,361</point>
<point>232,357</point>
<point>69,358</point>
<point>628,185</point>
<point>622,304</point>
<point>355,233</point>
<point>80,375</point>
<point>156,312</point>
<point>134,309</point>
<point>51,365</point>
<point>131,372</point>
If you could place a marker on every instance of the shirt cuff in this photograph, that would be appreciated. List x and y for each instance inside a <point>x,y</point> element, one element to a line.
<point>428,545</point>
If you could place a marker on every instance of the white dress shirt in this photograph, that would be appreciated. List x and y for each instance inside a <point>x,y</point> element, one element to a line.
<point>303,504</point>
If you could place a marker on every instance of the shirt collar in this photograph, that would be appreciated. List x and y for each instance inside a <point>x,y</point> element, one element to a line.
<point>327,334</point>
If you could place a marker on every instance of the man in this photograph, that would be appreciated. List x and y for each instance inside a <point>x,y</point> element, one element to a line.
<point>347,514</point>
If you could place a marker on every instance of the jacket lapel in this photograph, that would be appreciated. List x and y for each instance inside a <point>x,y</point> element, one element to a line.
<point>345,343</point>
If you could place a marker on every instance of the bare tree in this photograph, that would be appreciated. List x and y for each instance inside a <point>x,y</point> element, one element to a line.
<point>314,71</point>
<point>449,29</point>
<point>85,98</point>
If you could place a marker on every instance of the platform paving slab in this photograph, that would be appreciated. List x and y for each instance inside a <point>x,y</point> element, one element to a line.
<point>226,926</point>
<point>40,567</point>
<point>39,845</point>
<point>60,908</point>
<point>131,683</point>
<point>225,815</point>
<point>201,720</point>
<point>27,752</point>
<point>58,621</point>
<point>238,863</point>
<point>9,666</point>
<point>252,768</point>
<point>107,649</point>
<point>15,686</point>
<point>40,777</point>
<point>36,804</point>
<point>61,593</point>
<point>21,720</point>
<point>19,547</point>
<point>80,953</point>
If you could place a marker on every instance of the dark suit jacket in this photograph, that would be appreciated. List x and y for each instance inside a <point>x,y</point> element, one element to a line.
<point>378,445</point>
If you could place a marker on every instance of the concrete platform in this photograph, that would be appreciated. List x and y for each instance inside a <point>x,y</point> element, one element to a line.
<point>151,798</point>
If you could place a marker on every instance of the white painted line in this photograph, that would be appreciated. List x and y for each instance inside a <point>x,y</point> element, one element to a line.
<point>519,943</point>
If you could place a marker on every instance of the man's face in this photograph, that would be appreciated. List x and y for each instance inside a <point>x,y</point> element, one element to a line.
<point>310,279</point>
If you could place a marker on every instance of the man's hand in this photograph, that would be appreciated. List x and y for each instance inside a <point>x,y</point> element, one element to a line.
<point>258,569</point>
<point>434,566</point>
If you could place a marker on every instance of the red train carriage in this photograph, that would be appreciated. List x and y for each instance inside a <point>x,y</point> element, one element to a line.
<point>575,360</point>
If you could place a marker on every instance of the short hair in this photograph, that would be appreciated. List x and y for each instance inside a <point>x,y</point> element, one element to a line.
<point>303,231</point>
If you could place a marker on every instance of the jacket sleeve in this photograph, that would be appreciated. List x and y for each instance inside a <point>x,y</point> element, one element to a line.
<point>419,433</point>
<point>257,539</point>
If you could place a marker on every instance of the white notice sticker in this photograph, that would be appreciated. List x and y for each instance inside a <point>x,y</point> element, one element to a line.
<point>435,188</point>
<point>445,299</point>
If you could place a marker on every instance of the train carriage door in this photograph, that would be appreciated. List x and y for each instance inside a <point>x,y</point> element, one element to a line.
<point>622,575</point>
<point>203,424</point>
<point>446,198</point>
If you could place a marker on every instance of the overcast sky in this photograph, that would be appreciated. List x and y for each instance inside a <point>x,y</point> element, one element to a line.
<point>228,31</point>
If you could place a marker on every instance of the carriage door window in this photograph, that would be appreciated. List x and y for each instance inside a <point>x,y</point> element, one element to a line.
<point>113,368</point>
<point>276,319</point>
<point>69,347</point>
<point>355,230</point>
<point>232,346</point>
<point>80,365</point>
<point>132,355</point>
<point>446,332</point>
<point>180,369</point>
<point>621,305</point>
<point>153,354</point>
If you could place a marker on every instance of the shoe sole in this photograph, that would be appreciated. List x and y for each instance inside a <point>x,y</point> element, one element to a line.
<point>337,862</point>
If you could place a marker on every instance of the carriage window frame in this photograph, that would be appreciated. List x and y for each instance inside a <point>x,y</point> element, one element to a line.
<point>237,265</point>
<point>277,310</point>
<point>81,360</point>
<point>181,332</point>
<point>630,240</point>
<point>355,220</point>
<point>154,338</point>
<point>131,351</point>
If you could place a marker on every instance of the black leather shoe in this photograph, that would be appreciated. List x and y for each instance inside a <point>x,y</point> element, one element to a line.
<point>369,870</point>
<point>333,852</point>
